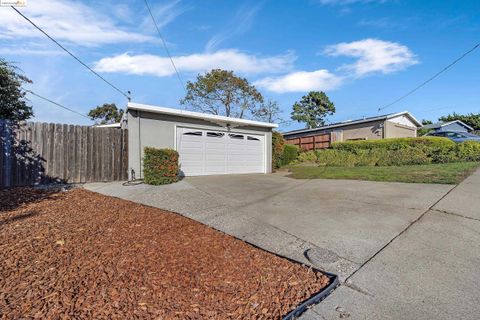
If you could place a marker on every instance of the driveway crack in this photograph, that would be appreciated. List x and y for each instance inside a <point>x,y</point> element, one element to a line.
<point>402,232</point>
<point>455,214</point>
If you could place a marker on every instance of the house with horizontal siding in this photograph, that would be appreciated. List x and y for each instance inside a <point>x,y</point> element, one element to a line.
<point>394,125</point>
<point>455,125</point>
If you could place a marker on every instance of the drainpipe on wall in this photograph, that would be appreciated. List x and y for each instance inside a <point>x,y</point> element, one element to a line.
<point>139,146</point>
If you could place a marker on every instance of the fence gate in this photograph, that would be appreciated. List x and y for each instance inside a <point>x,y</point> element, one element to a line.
<point>37,153</point>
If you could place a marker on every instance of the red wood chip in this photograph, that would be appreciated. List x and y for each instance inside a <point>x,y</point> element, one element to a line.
<point>84,255</point>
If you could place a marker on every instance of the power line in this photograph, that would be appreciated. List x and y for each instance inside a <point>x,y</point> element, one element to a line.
<point>127,95</point>
<point>165,45</point>
<point>431,78</point>
<point>57,104</point>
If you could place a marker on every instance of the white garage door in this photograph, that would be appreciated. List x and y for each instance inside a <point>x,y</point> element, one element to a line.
<point>209,152</point>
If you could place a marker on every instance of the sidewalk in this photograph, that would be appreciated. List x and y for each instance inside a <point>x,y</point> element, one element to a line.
<point>430,271</point>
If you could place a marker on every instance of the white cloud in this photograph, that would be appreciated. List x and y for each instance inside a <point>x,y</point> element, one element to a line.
<point>66,21</point>
<point>164,14</point>
<point>147,64</point>
<point>373,56</point>
<point>300,81</point>
<point>241,22</point>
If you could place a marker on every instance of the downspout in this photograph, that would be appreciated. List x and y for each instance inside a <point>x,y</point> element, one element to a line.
<point>139,146</point>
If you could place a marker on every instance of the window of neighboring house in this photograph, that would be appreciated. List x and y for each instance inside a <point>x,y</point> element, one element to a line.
<point>355,139</point>
<point>454,135</point>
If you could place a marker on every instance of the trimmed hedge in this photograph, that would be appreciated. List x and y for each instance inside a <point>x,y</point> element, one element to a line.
<point>423,143</point>
<point>278,144</point>
<point>290,153</point>
<point>160,166</point>
<point>394,152</point>
<point>468,151</point>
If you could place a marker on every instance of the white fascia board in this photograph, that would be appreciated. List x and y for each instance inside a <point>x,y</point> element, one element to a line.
<point>199,115</point>
<point>406,113</point>
<point>457,121</point>
<point>111,125</point>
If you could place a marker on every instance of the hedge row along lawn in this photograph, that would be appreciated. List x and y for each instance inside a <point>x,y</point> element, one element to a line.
<point>82,255</point>
<point>447,173</point>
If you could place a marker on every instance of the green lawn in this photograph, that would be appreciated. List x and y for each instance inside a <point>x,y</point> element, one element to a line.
<point>448,173</point>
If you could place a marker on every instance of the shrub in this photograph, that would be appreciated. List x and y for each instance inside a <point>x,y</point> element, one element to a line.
<point>290,153</point>
<point>468,151</point>
<point>278,144</point>
<point>370,157</point>
<point>401,157</point>
<point>423,143</point>
<point>337,158</point>
<point>160,166</point>
<point>307,156</point>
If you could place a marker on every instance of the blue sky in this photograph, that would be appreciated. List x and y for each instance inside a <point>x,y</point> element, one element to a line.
<point>362,53</point>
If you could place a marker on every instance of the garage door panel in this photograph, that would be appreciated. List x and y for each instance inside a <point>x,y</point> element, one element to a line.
<point>204,152</point>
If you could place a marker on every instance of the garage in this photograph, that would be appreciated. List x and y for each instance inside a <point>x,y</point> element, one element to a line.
<point>210,152</point>
<point>207,144</point>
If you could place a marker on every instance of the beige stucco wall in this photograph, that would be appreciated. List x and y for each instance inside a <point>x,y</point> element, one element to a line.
<point>368,131</point>
<point>395,130</point>
<point>147,129</point>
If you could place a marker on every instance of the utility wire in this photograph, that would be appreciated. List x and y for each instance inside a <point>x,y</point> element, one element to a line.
<point>431,78</point>
<point>127,95</point>
<point>57,104</point>
<point>165,45</point>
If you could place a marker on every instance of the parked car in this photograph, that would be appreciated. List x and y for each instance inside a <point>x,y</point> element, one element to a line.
<point>455,136</point>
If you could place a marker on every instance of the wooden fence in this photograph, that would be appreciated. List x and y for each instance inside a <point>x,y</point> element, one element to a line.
<point>307,143</point>
<point>38,153</point>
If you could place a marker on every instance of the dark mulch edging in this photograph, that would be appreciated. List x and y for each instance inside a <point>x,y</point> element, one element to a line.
<point>86,255</point>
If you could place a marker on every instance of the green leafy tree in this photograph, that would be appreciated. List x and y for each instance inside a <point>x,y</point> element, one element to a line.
<point>472,119</point>
<point>423,131</point>
<point>13,103</point>
<point>268,112</point>
<point>221,92</point>
<point>106,114</point>
<point>313,109</point>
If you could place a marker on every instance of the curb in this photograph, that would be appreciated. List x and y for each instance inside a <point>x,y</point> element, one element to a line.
<point>315,298</point>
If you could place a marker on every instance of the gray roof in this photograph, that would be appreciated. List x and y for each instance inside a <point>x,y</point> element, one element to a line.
<point>363,120</point>
<point>443,124</point>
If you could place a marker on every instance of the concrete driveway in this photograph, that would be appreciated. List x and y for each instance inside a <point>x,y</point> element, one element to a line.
<point>380,238</point>
<point>341,223</point>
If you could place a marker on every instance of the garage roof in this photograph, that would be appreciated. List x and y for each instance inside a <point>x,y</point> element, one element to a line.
<point>199,115</point>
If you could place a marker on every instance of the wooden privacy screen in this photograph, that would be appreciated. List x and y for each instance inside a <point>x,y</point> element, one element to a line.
<point>320,141</point>
<point>36,153</point>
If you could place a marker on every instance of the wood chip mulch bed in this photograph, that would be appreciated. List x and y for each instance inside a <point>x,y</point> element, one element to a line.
<point>79,254</point>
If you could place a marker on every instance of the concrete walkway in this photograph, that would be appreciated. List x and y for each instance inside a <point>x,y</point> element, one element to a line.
<point>403,251</point>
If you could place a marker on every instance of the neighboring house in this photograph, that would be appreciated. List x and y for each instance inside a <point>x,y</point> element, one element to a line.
<point>207,144</point>
<point>455,125</point>
<point>395,125</point>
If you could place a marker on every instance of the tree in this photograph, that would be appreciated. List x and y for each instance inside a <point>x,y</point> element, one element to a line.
<point>472,119</point>
<point>13,104</point>
<point>313,109</point>
<point>268,112</point>
<point>221,92</point>
<point>426,122</point>
<point>106,114</point>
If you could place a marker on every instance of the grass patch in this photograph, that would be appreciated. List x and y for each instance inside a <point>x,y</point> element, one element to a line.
<point>445,173</point>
